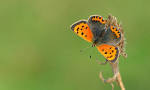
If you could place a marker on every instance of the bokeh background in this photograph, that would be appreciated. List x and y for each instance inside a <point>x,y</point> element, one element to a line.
<point>38,51</point>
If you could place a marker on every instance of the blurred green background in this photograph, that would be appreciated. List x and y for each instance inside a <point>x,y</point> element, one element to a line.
<point>38,51</point>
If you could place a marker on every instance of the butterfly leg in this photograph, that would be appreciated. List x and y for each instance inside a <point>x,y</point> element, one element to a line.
<point>93,45</point>
<point>109,80</point>
<point>112,20</point>
<point>101,63</point>
<point>124,54</point>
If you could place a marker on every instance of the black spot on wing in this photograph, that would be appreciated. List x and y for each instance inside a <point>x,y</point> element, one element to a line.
<point>112,51</point>
<point>82,33</point>
<point>78,29</point>
<point>111,56</point>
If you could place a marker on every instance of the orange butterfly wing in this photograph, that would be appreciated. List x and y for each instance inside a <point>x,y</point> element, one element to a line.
<point>82,29</point>
<point>116,31</point>
<point>109,52</point>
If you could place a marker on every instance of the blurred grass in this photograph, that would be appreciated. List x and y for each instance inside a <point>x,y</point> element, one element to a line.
<point>40,52</point>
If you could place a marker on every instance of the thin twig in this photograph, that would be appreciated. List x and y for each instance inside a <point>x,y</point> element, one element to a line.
<point>116,77</point>
<point>115,68</point>
<point>119,80</point>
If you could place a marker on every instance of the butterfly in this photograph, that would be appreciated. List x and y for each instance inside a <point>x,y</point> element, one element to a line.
<point>101,34</point>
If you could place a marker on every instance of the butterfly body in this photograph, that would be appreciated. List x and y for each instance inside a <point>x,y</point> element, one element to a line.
<point>105,37</point>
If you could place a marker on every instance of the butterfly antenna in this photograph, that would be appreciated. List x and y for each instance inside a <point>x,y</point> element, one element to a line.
<point>91,51</point>
<point>90,56</point>
<point>85,49</point>
<point>107,11</point>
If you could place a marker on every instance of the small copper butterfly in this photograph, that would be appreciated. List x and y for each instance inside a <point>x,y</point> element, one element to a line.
<point>101,33</point>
